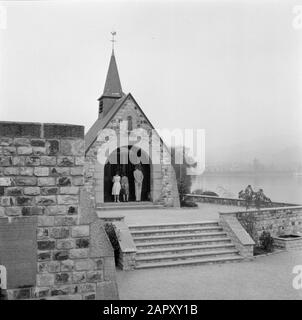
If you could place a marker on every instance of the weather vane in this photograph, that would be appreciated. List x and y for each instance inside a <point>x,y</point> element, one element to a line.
<point>113,33</point>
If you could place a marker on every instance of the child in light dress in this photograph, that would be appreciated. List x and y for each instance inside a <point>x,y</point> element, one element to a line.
<point>116,188</point>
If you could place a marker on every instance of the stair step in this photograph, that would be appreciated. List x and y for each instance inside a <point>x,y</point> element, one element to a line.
<point>171,244</point>
<point>224,259</point>
<point>174,225</point>
<point>184,256</point>
<point>197,230</point>
<point>191,248</point>
<point>181,236</point>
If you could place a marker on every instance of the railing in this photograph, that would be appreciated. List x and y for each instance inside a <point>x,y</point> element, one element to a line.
<point>234,201</point>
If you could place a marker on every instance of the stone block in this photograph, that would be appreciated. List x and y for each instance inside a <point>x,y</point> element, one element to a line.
<point>78,181</point>
<point>31,191</point>
<point>41,171</point>
<point>52,147</point>
<point>46,245</point>
<point>79,253</point>
<point>26,171</point>
<point>26,181</point>
<point>49,181</point>
<point>47,191</point>
<point>11,171</point>
<point>69,190</point>
<point>72,147</point>
<point>45,280</point>
<point>23,151</point>
<point>6,161</point>
<point>64,244</point>
<point>80,231</point>
<point>39,151</point>
<point>45,221</point>
<point>64,181</point>
<point>65,221</point>
<point>79,277</point>
<point>46,200</point>
<point>24,201</point>
<point>68,199</point>
<point>37,143</point>
<point>66,161</point>
<point>13,211</point>
<point>67,265</point>
<point>77,171</point>
<point>44,256</point>
<point>61,255</point>
<point>63,278</point>
<point>32,211</point>
<point>13,191</point>
<point>5,182</point>
<point>94,276</point>
<point>82,243</point>
<point>9,151</point>
<point>60,171</point>
<point>87,287</point>
<point>82,265</point>
<point>32,161</point>
<point>48,161</point>
<point>60,232</point>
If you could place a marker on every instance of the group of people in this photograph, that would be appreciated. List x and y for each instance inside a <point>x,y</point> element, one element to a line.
<point>121,185</point>
<point>250,195</point>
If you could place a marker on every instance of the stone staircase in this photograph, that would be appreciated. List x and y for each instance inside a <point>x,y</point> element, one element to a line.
<point>179,244</point>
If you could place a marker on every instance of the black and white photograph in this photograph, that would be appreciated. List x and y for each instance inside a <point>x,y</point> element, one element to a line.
<point>150,150</point>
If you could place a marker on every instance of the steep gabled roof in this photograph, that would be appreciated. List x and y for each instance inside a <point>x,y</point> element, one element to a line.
<point>113,87</point>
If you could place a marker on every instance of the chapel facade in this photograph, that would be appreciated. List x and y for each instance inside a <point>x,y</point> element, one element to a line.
<point>120,121</point>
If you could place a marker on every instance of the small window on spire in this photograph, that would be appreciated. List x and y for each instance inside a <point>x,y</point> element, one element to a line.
<point>101,106</point>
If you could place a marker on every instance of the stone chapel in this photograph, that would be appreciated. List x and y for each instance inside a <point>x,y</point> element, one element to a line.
<point>115,107</point>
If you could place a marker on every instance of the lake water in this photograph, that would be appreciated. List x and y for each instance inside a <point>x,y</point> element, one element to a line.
<point>282,188</point>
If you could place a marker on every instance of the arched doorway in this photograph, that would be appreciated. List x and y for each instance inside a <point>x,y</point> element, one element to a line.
<point>119,160</point>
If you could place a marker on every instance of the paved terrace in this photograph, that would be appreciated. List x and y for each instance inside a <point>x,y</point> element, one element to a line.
<point>268,277</point>
<point>205,211</point>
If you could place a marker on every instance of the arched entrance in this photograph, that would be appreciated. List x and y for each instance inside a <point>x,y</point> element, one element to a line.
<point>119,160</point>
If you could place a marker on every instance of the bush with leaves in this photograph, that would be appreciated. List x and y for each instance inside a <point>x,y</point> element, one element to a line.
<point>266,241</point>
<point>113,239</point>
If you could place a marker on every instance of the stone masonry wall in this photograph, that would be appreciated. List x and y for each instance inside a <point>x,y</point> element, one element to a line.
<point>163,180</point>
<point>277,221</point>
<point>42,177</point>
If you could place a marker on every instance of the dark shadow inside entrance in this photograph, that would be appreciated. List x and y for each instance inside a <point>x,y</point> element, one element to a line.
<point>119,160</point>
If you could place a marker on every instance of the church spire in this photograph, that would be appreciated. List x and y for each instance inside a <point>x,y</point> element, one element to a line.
<point>113,88</point>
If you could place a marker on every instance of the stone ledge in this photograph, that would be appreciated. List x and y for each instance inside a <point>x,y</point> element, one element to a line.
<point>63,131</point>
<point>40,130</point>
<point>20,129</point>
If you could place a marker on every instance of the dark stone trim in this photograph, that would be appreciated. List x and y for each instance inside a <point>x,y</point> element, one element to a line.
<point>63,131</point>
<point>20,129</point>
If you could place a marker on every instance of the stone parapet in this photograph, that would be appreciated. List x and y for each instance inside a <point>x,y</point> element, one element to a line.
<point>68,254</point>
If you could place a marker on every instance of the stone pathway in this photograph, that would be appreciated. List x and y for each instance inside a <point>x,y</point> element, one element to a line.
<point>268,277</point>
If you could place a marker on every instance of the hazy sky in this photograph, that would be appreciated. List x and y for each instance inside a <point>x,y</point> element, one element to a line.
<point>231,67</point>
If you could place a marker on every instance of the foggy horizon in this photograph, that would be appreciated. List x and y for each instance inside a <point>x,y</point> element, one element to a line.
<point>224,68</point>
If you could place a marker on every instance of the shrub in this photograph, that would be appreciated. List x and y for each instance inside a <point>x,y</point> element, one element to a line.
<point>113,239</point>
<point>210,193</point>
<point>266,241</point>
<point>188,204</point>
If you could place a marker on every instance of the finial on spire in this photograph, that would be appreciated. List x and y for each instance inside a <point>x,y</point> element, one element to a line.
<point>113,33</point>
